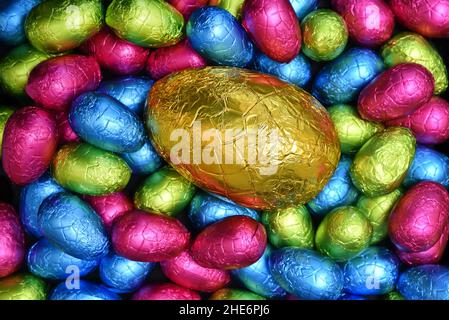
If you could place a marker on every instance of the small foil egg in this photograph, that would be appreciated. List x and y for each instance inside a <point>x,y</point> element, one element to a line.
<point>22,286</point>
<point>205,209</point>
<point>258,278</point>
<point>72,225</point>
<point>186,7</point>
<point>394,295</point>
<point>303,7</point>
<point>273,27</point>
<point>380,166</point>
<point>428,282</point>
<point>184,271</point>
<point>233,6</point>
<point>165,291</point>
<point>147,237</point>
<point>352,130</point>
<point>413,48</point>
<point>396,92</point>
<point>370,22</point>
<point>341,80</point>
<point>85,291</point>
<point>5,113</point>
<point>324,35</point>
<point>145,160</point>
<point>115,54</point>
<point>85,169</point>
<point>106,123</point>
<point>235,294</point>
<point>217,36</point>
<point>30,140</point>
<point>289,227</point>
<point>306,274</point>
<point>65,131</point>
<point>339,191</point>
<point>49,262</point>
<point>373,272</point>
<point>147,23</point>
<point>232,243</point>
<point>58,26</point>
<point>122,275</point>
<point>54,83</point>
<point>12,241</point>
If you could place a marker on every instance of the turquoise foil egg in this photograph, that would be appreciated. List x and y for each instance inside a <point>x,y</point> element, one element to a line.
<point>426,282</point>
<point>145,160</point>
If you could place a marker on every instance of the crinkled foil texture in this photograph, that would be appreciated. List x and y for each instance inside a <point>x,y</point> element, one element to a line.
<point>22,287</point>
<point>186,7</point>
<point>165,291</point>
<point>430,282</point>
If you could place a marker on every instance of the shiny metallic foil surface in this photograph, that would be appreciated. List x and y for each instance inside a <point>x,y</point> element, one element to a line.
<point>22,286</point>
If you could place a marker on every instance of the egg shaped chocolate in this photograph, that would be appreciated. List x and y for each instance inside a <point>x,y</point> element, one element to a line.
<point>234,7</point>
<point>235,295</point>
<point>165,291</point>
<point>303,7</point>
<point>22,286</point>
<point>428,282</point>
<point>186,7</point>
<point>85,291</point>
<point>288,165</point>
<point>145,160</point>
<point>5,113</point>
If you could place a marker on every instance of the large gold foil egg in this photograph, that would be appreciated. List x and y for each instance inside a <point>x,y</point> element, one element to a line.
<point>248,136</point>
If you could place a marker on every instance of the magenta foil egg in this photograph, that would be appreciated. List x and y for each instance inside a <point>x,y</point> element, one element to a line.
<point>149,237</point>
<point>12,241</point>
<point>370,22</point>
<point>30,140</point>
<point>54,83</point>
<point>165,291</point>
<point>183,270</point>
<point>427,17</point>
<point>429,123</point>
<point>65,131</point>
<point>115,54</point>
<point>274,28</point>
<point>232,243</point>
<point>164,61</point>
<point>396,92</point>
<point>186,7</point>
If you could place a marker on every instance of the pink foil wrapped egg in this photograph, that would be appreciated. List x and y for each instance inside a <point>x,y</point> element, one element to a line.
<point>396,92</point>
<point>54,83</point>
<point>232,243</point>
<point>164,61</point>
<point>30,140</point>
<point>427,17</point>
<point>370,22</point>
<point>183,270</point>
<point>429,123</point>
<point>65,131</point>
<point>186,7</point>
<point>149,237</point>
<point>165,291</point>
<point>115,54</point>
<point>12,241</point>
<point>274,28</point>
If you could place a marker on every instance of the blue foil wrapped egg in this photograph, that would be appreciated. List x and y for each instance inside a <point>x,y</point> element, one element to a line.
<point>426,282</point>
<point>71,224</point>
<point>257,277</point>
<point>339,191</point>
<point>31,197</point>
<point>132,91</point>
<point>341,80</point>
<point>145,160</point>
<point>217,36</point>
<point>306,274</point>
<point>83,290</point>
<point>49,262</point>
<point>347,296</point>
<point>106,123</point>
<point>303,7</point>
<point>206,209</point>
<point>428,165</point>
<point>372,272</point>
<point>122,275</point>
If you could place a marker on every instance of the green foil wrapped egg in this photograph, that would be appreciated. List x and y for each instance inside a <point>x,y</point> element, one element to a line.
<point>85,169</point>
<point>352,130</point>
<point>22,287</point>
<point>324,35</point>
<point>382,163</point>
<point>289,227</point>
<point>62,25</point>
<point>377,210</point>
<point>16,66</point>
<point>5,113</point>
<point>148,23</point>
<point>343,233</point>
<point>233,6</point>
<point>394,295</point>
<point>235,294</point>
<point>412,47</point>
<point>164,192</point>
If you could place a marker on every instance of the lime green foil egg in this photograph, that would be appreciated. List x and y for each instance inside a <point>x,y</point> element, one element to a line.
<point>377,210</point>
<point>289,227</point>
<point>324,35</point>
<point>22,287</point>
<point>380,166</point>
<point>16,66</point>
<point>233,6</point>
<point>352,130</point>
<point>148,23</point>
<point>5,113</point>
<point>343,233</point>
<point>164,192</point>
<point>235,294</point>
<point>85,169</point>
<point>62,25</point>
<point>412,47</point>
<point>394,295</point>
